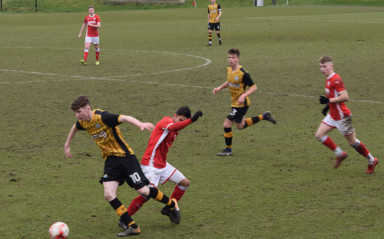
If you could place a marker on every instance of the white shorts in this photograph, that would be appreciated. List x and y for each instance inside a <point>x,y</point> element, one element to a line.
<point>344,125</point>
<point>162,175</point>
<point>93,40</point>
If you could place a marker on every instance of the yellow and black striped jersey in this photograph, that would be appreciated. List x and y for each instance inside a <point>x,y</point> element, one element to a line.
<point>213,11</point>
<point>106,134</point>
<point>238,82</point>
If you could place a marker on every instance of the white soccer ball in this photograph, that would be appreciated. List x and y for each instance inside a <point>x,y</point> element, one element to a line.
<point>59,230</point>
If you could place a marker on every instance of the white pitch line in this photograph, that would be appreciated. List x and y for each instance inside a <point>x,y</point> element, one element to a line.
<point>310,96</point>
<point>207,62</point>
<point>310,18</point>
<point>112,78</point>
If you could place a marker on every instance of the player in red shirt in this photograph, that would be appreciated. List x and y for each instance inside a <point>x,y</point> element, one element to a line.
<point>339,117</point>
<point>92,22</point>
<point>154,164</point>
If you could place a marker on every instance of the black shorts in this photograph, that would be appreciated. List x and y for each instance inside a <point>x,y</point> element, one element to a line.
<point>214,26</point>
<point>122,169</point>
<point>237,114</point>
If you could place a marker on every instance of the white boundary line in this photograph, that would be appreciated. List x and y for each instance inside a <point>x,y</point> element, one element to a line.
<point>309,18</point>
<point>208,61</point>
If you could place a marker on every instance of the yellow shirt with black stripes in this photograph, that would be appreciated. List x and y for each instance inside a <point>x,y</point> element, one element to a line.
<point>239,82</point>
<point>213,11</point>
<point>104,130</point>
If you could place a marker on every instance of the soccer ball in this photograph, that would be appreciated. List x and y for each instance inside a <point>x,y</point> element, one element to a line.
<point>59,230</point>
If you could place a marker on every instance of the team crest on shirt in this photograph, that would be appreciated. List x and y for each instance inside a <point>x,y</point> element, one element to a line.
<point>236,78</point>
<point>98,126</point>
<point>328,83</point>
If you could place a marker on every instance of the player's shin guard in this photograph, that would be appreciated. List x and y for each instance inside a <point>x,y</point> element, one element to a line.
<point>97,54</point>
<point>228,134</point>
<point>122,212</point>
<point>252,121</point>
<point>178,192</point>
<point>161,197</point>
<point>85,54</point>
<point>360,147</point>
<point>136,204</point>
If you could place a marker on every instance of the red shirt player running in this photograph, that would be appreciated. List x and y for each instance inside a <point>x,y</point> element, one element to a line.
<point>154,164</point>
<point>339,117</point>
<point>92,22</point>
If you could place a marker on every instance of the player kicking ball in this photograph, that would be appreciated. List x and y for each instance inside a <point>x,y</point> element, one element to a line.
<point>154,164</point>
<point>92,22</point>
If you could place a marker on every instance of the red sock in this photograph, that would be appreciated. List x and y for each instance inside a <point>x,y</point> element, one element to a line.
<point>362,150</point>
<point>177,193</point>
<point>136,204</point>
<point>97,55</point>
<point>85,56</point>
<point>330,144</point>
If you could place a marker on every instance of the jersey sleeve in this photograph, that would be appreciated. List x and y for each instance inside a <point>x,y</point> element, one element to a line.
<point>179,125</point>
<point>339,85</point>
<point>110,119</point>
<point>78,126</point>
<point>247,78</point>
<point>218,7</point>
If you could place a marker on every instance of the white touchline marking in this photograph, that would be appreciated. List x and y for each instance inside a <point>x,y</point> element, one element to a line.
<point>207,62</point>
<point>310,18</point>
<point>112,78</point>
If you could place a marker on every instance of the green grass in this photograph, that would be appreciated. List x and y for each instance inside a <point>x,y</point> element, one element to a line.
<point>24,6</point>
<point>279,183</point>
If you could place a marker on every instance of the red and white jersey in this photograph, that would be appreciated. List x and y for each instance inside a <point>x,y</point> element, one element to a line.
<point>92,31</point>
<point>333,87</point>
<point>159,143</point>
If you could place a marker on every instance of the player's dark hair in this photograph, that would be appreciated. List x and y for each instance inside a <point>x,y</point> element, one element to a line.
<point>325,59</point>
<point>79,102</point>
<point>184,111</point>
<point>234,51</point>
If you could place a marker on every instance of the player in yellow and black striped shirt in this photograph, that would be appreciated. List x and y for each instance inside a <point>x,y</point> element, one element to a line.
<point>120,163</point>
<point>214,14</point>
<point>241,86</point>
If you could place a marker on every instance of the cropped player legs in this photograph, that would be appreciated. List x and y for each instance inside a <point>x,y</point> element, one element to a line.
<point>87,45</point>
<point>322,136</point>
<point>359,147</point>
<point>110,189</point>
<point>180,189</point>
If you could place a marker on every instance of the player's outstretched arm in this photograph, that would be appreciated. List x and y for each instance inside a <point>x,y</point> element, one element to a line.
<point>142,125</point>
<point>71,135</point>
<point>182,124</point>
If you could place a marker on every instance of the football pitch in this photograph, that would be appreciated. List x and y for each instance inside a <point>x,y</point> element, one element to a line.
<point>279,182</point>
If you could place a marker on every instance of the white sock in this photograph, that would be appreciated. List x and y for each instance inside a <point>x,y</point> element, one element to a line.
<point>370,158</point>
<point>338,152</point>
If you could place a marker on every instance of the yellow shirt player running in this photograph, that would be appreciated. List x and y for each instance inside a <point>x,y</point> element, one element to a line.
<point>120,163</point>
<point>241,86</point>
<point>214,14</point>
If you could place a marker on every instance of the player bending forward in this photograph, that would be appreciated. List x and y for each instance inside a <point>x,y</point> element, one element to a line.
<point>120,163</point>
<point>154,164</point>
<point>339,117</point>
